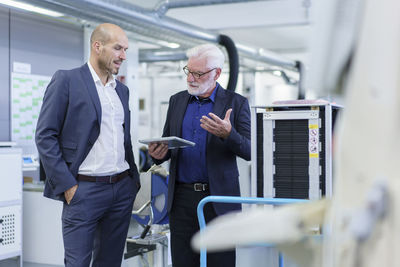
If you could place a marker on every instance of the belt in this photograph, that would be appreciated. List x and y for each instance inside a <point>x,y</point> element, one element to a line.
<point>198,187</point>
<point>110,179</point>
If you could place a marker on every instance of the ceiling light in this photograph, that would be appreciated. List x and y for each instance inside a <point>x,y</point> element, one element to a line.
<point>31,8</point>
<point>277,73</point>
<point>174,45</point>
<point>168,44</point>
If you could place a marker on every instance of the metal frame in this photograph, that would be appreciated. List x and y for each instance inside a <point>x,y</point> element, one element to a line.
<point>246,200</point>
<point>269,149</point>
<point>269,119</point>
<point>268,123</point>
<point>328,151</point>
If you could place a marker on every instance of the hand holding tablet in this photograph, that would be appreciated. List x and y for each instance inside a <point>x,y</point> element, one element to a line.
<point>172,141</point>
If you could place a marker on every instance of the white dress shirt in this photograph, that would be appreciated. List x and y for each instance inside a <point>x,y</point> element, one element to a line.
<point>107,155</point>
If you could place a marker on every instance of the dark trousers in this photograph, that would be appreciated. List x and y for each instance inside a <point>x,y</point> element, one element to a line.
<point>96,222</point>
<point>184,224</point>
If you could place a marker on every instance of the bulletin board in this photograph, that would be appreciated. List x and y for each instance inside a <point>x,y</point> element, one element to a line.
<point>27,92</point>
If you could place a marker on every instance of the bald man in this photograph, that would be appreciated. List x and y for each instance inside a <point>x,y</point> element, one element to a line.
<point>84,143</point>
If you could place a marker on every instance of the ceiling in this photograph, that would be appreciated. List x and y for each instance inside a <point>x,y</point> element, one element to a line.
<point>281,26</point>
<point>275,32</point>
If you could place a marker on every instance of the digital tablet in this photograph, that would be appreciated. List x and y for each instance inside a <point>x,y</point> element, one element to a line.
<point>172,141</point>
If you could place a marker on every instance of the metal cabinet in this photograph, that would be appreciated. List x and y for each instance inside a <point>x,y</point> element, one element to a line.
<point>11,203</point>
<point>292,150</point>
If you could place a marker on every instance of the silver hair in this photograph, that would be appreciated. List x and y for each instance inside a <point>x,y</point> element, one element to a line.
<point>214,55</point>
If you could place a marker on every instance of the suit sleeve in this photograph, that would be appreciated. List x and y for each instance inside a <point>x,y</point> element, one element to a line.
<point>239,139</point>
<point>49,126</point>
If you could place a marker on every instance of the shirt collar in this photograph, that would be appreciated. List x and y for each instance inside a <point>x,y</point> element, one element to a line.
<point>96,78</point>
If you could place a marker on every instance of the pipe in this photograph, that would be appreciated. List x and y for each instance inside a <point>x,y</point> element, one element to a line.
<point>233,60</point>
<point>151,56</point>
<point>301,70</point>
<point>163,6</point>
<point>135,18</point>
<point>139,15</point>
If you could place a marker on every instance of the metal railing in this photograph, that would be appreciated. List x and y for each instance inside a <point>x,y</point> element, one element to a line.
<point>243,200</point>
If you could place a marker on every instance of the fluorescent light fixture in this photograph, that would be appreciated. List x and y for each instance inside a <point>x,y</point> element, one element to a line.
<point>174,45</point>
<point>168,44</point>
<point>277,73</point>
<point>31,8</point>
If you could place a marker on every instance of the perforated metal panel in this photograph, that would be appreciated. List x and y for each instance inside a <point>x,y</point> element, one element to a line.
<point>10,231</point>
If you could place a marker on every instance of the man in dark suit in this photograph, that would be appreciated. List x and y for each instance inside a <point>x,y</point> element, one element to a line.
<point>218,121</point>
<point>84,142</point>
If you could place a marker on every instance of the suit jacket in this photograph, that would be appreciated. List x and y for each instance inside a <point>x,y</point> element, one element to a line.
<point>68,126</point>
<point>221,154</point>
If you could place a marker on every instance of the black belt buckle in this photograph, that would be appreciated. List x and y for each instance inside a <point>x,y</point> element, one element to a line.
<point>199,187</point>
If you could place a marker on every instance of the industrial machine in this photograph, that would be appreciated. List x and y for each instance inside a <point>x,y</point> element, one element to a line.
<point>292,149</point>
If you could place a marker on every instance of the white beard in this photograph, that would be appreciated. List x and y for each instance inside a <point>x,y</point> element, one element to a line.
<point>200,88</point>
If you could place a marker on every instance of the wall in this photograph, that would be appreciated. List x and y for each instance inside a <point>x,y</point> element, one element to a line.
<point>155,91</point>
<point>44,43</point>
<point>270,88</point>
<point>4,76</point>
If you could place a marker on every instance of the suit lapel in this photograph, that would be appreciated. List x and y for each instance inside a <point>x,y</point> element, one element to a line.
<point>91,87</point>
<point>180,113</point>
<point>220,103</point>
<point>125,105</point>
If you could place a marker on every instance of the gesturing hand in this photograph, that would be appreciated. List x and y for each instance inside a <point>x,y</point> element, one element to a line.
<point>216,126</point>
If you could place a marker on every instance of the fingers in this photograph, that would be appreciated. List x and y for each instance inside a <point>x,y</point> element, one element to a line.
<point>215,125</point>
<point>158,150</point>
<point>208,128</point>
<point>214,117</point>
<point>228,115</point>
<point>211,122</point>
<point>152,147</point>
<point>69,194</point>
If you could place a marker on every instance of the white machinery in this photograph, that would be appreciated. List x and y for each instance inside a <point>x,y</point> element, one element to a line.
<point>11,203</point>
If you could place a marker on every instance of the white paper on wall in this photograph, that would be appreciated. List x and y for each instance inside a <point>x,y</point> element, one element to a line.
<point>27,92</point>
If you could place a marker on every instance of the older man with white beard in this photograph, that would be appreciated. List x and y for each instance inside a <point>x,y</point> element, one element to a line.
<point>218,121</point>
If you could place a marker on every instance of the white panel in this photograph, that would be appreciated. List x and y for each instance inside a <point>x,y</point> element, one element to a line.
<point>269,191</point>
<point>43,242</point>
<point>314,148</point>
<point>11,174</point>
<point>253,182</point>
<point>291,115</point>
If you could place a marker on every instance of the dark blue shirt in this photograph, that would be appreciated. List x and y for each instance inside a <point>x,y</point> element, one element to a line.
<point>192,165</point>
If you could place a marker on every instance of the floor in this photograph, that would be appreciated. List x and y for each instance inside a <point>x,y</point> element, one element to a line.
<point>15,262</point>
<point>30,264</point>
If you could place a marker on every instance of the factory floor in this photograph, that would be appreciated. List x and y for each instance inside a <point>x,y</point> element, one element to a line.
<point>30,264</point>
<point>15,262</point>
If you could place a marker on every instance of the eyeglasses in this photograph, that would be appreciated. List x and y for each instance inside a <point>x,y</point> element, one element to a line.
<point>196,75</point>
